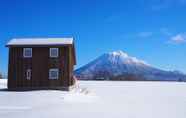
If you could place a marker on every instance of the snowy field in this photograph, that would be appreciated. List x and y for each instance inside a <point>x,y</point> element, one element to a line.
<point>98,99</point>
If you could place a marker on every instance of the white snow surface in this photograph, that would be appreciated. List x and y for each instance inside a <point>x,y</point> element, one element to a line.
<point>40,41</point>
<point>98,99</point>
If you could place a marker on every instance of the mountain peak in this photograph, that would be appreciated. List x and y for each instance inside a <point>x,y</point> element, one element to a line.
<point>123,57</point>
<point>118,53</point>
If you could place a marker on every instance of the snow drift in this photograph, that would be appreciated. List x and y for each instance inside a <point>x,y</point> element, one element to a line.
<point>106,99</point>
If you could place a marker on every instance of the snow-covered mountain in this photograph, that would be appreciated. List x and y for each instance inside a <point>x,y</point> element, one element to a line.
<point>118,65</point>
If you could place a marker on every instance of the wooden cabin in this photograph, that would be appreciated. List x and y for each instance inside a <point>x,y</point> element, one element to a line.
<point>41,63</point>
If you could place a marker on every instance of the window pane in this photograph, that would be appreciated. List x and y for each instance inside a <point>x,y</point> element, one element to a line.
<point>53,73</point>
<point>27,52</point>
<point>53,52</point>
<point>28,74</point>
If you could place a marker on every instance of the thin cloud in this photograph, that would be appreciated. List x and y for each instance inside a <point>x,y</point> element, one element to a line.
<point>157,5</point>
<point>165,31</point>
<point>144,34</point>
<point>178,39</point>
<point>182,2</point>
<point>113,18</point>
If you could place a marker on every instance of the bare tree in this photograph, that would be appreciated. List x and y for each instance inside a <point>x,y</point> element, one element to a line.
<point>1,76</point>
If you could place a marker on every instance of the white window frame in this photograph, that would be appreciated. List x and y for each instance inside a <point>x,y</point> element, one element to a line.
<point>28,74</point>
<point>52,55</point>
<point>24,52</point>
<point>53,70</point>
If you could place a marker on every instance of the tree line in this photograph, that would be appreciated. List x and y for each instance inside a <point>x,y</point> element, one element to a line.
<point>2,76</point>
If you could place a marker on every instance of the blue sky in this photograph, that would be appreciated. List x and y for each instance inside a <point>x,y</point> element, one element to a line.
<point>151,30</point>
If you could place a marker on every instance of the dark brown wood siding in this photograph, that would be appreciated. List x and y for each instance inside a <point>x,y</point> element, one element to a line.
<point>39,58</point>
<point>15,76</point>
<point>40,63</point>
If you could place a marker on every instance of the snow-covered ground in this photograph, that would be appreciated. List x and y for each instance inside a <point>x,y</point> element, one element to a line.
<point>98,99</point>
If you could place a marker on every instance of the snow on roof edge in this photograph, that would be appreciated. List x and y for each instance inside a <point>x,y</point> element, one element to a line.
<point>40,41</point>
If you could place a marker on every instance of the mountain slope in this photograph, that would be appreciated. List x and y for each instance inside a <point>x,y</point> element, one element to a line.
<point>118,65</point>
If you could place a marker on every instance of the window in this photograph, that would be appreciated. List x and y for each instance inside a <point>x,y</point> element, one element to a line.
<point>53,73</point>
<point>28,74</point>
<point>27,52</point>
<point>54,52</point>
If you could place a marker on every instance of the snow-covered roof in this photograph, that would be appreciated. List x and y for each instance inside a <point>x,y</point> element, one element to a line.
<point>40,41</point>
